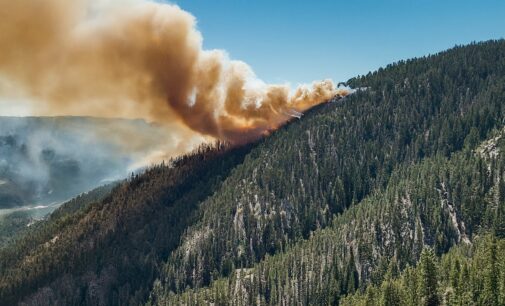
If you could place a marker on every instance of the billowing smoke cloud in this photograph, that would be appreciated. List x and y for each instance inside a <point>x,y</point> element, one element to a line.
<point>138,59</point>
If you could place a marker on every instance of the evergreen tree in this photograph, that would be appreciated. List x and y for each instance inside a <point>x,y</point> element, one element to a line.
<point>491,290</point>
<point>428,284</point>
<point>390,295</point>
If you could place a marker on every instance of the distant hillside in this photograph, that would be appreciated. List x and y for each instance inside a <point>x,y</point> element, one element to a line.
<point>47,160</point>
<point>346,198</point>
<point>23,222</point>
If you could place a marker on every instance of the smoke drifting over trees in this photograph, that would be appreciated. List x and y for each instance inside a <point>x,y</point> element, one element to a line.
<point>138,59</point>
<point>44,161</point>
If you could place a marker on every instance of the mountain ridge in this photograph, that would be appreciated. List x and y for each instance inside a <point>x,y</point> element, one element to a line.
<point>198,222</point>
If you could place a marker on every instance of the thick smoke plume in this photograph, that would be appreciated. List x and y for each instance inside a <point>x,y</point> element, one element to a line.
<point>138,59</point>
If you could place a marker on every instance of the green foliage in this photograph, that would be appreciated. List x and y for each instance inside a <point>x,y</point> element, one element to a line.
<point>463,278</point>
<point>294,182</point>
<point>371,242</point>
<point>428,282</point>
<point>341,202</point>
<point>108,251</point>
<point>11,225</point>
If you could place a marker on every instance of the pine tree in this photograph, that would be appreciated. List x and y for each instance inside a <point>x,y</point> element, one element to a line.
<point>490,291</point>
<point>390,294</point>
<point>428,284</point>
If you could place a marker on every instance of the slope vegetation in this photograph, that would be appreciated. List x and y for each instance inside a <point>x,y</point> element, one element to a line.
<point>297,180</point>
<point>313,212</point>
<point>108,251</point>
<point>435,204</point>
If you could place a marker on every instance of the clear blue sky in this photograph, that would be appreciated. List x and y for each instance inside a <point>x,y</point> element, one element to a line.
<point>301,41</point>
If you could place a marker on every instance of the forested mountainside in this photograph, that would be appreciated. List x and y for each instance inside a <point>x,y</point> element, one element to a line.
<point>437,204</point>
<point>467,275</point>
<point>338,154</point>
<point>12,224</point>
<point>309,214</point>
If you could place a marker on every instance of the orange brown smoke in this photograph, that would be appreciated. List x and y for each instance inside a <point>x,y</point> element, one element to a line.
<point>138,59</point>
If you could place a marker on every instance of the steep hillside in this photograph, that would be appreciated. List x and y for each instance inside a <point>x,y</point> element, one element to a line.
<point>294,211</point>
<point>12,224</point>
<point>438,203</point>
<point>296,180</point>
<point>108,252</point>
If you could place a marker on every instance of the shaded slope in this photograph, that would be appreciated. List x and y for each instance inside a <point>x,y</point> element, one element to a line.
<point>108,253</point>
<point>11,225</point>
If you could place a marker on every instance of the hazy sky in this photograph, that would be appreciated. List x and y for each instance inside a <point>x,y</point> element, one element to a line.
<point>300,41</point>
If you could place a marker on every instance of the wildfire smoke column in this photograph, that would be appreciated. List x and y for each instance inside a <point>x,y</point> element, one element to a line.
<point>138,59</point>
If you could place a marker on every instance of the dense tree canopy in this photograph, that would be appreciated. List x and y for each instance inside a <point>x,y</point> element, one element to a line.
<point>361,195</point>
